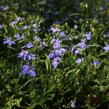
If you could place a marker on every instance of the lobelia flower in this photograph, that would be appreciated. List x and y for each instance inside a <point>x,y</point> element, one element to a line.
<point>67,37</point>
<point>34,25</point>
<point>88,36</point>
<point>83,40</point>
<point>51,55</point>
<point>25,27</point>
<point>106,35</point>
<point>82,45</point>
<point>25,55</point>
<point>24,69</point>
<point>4,8</point>
<point>73,104</point>
<point>8,41</point>
<point>95,62</point>
<point>56,44</point>
<point>106,48</point>
<point>55,63</point>
<point>61,34</point>
<point>29,45</point>
<point>19,37</point>
<point>13,23</point>
<point>77,51</point>
<point>19,18</point>
<point>1,26</point>
<point>32,72</point>
<point>79,60</point>
<point>35,29</point>
<point>28,69</point>
<point>43,45</point>
<point>75,26</point>
<point>31,56</point>
<point>54,30</point>
<point>72,50</point>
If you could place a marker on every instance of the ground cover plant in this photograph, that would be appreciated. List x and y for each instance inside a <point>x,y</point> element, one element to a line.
<point>54,54</point>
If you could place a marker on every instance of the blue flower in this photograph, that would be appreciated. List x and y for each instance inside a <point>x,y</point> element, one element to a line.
<point>72,50</point>
<point>4,8</point>
<point>73,104</point>
<point>29,45</point>
<point>56,44</point>
<point>24,69</point>
<point>25,27</point>
<point>54,30</point>
<point>31,56</point>
<point>79,60</point>
<point>55,63</point>
<point>25,55</point>
<point>19,37</point>
<point>8,41</point>
<point>43,45</point>
<point>59,52</point>
<point>106,48</point>
<point>32,72</point>
<point>82,45</point>
<point>106,35</point>
<point>57,58</point>
<point>88,36</point>
<point>1,26</point>
<point>95,62</point>
<point>28,69</point>
<point>75,26</point>
<point>77,51</point>
<point>13,23</point>
<point>61,34</point>
<point>51,55</point>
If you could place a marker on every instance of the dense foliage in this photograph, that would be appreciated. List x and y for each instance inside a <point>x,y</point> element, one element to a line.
<point>54,54</point>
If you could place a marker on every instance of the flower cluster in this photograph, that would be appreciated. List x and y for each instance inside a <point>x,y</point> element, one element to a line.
<point>56,53</point>
<point>25,55</point>
<point>9,41</point>
<point>27,69</point>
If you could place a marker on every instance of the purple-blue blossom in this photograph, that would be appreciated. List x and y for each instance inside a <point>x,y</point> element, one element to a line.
<point>19,37</point>
<point>29,45</point>
<point>88,35</point>
<point>72,50</point>
<point>25,55</point>
<point>54,63</point>
<point>43,44</point>
<point>75,26</point>
<point>31,56</point>
<point>106,48</point>
<point>8,41</point>
<point>77,51</point>
<point>61,34</point>
<point>73,104</point>
<point>56,44</point>
<point>79,60</point>
<point>25,27</point>
<point>4,8</point>
<point>27,69</point>
<point>54,30</point>
<point>82,45</point>
<point>51,55</point>
<point>13,23</point>
<point>1,26</point>
<point>95,62</point>
<point>106,35</point>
